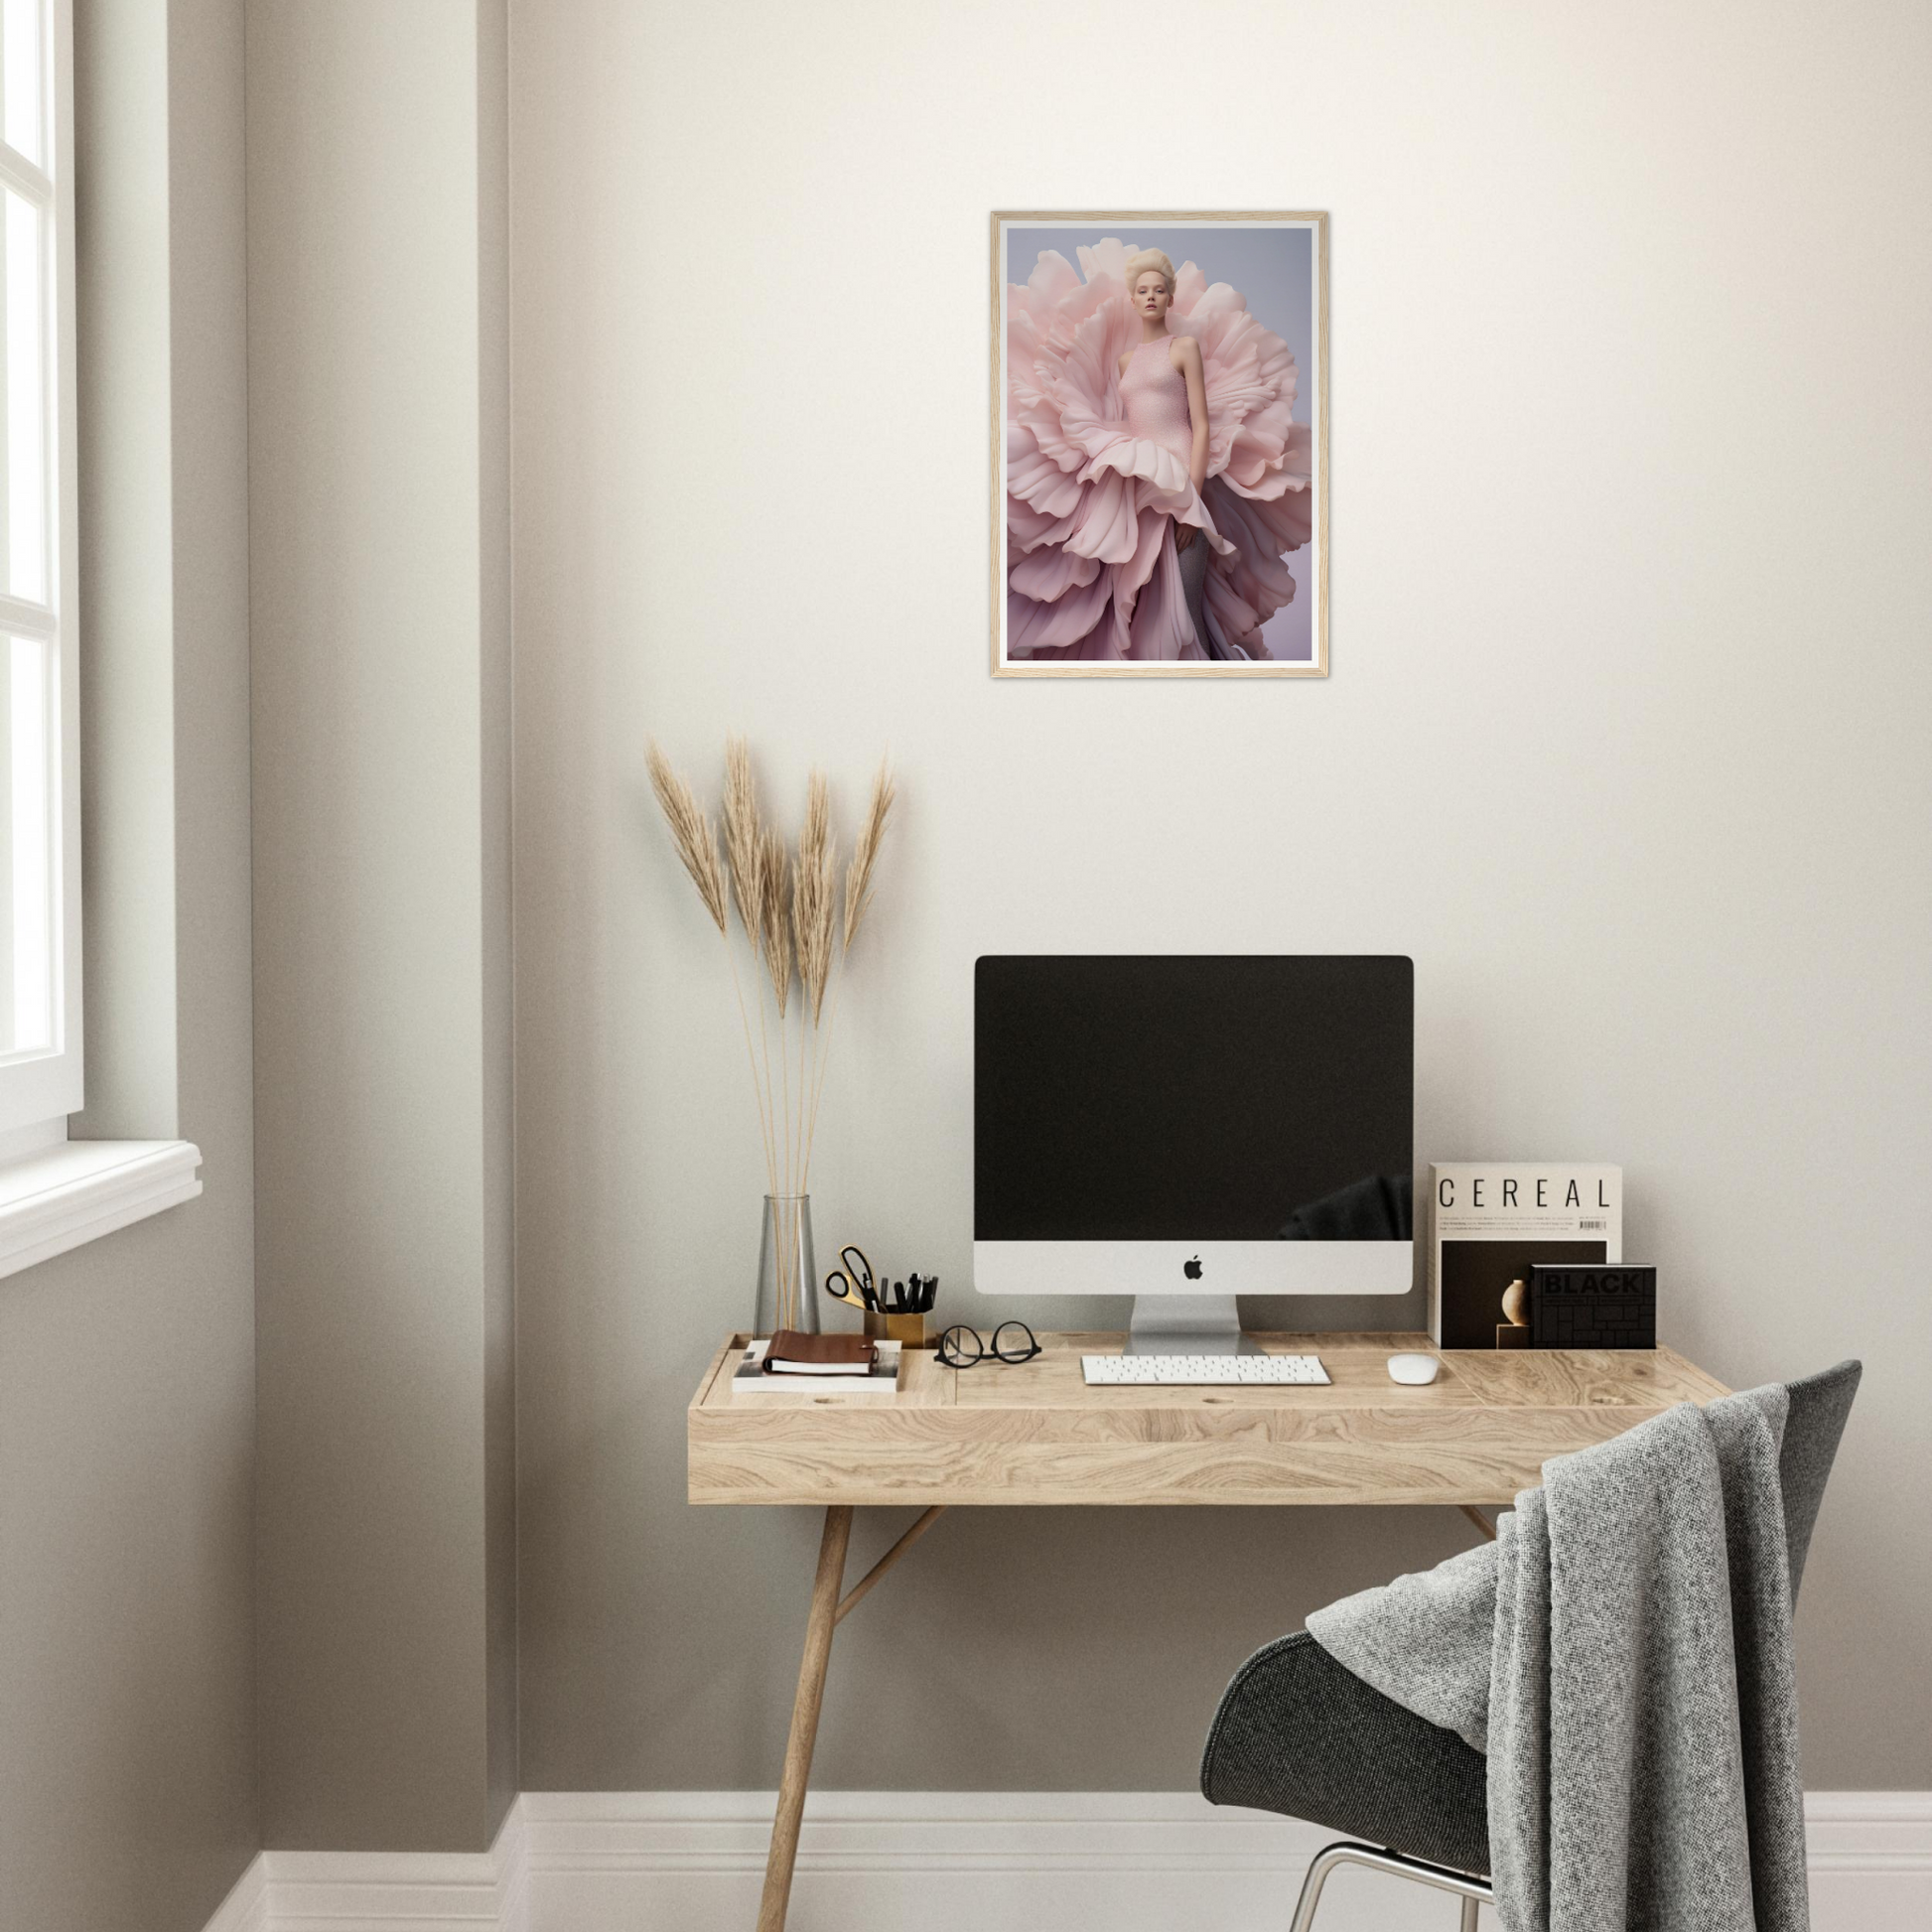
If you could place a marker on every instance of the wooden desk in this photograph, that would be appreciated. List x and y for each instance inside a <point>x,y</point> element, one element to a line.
<point>1032,1434</point>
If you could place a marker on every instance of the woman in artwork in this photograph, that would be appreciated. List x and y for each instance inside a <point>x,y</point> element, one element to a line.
<point>1156,478</point>
<point>1164,399</point>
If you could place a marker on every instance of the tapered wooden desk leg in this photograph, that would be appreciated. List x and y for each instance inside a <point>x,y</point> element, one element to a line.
<point>804,1719</point>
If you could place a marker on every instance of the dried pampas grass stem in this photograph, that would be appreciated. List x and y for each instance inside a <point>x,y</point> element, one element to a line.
<point>814,909</point>
<point>691,833</point>
<point>743,845</point>
<point>774,920</point>
<point>857,899</point>
<point>697,846</point>
<point>865,853</point>
<point>814,896</point>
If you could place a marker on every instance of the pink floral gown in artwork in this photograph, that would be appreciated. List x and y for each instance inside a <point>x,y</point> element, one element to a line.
<point>1097,470</point>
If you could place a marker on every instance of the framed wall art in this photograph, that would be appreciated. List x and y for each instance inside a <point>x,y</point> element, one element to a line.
<point>1160,445</point>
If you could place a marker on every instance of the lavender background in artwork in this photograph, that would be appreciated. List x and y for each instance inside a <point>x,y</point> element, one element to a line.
<point>1274,270</point>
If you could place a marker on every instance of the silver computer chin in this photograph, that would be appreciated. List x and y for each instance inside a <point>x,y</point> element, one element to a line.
<point>1184,1129</point>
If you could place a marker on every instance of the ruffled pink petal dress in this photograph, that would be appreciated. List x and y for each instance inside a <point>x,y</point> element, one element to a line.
<point>1097,470</point>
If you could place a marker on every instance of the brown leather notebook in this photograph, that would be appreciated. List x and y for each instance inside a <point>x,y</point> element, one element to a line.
<point>793,1353</point>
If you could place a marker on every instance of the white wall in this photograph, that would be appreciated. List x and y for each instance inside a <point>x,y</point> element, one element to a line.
<point>127,1680</point>
<point>1624,743</point>
<point>377,427</point>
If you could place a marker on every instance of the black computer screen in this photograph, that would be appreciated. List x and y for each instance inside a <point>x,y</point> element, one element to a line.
<point>1217,1098</point>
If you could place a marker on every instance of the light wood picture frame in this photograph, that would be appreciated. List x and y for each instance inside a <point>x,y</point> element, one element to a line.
<point>1094,504</point>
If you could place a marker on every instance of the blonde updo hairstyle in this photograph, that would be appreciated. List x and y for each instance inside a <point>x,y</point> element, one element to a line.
<point>1149,258</point>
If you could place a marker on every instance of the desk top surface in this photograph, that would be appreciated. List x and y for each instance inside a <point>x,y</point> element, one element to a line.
<point>1034,1434</point>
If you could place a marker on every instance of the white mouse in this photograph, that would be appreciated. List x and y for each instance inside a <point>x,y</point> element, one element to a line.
<point>1413,1368</point>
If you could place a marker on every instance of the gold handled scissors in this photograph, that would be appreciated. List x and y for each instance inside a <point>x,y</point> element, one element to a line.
<point>852,1282</point>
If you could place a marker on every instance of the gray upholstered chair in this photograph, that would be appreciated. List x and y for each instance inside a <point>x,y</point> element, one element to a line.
<point>1298,1733</point>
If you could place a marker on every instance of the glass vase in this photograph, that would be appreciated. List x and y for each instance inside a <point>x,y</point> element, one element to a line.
<point>787,1272</point>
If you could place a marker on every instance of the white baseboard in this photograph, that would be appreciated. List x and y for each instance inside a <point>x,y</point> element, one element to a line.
<point>245,1909</point>
<point>385,1892</point>
<point>954,1862</point>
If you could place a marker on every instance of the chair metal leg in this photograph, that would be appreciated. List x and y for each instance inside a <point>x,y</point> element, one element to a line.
<point>1473,1892</point>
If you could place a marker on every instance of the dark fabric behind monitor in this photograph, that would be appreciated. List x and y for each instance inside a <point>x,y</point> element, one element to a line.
<point>1214,1099</point>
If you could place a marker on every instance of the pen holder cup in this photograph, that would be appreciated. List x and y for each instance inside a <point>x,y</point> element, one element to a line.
<point>907,1328</point>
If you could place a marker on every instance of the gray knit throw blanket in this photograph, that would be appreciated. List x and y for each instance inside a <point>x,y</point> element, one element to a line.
<point>1622,1652</point>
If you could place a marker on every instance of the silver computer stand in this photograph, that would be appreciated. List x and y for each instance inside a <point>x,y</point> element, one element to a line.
<point>1187,1325</point>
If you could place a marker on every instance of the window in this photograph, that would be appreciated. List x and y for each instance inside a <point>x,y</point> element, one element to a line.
<point>40,846</point>
<point>54,1193</point>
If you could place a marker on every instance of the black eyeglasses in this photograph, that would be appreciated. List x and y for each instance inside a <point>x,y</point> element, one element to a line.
<point>1012,1341</point>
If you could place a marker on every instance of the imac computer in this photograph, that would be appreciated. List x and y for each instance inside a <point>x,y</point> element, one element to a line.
<point>1189,1128</point>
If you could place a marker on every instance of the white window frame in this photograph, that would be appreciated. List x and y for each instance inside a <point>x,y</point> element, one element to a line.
<point>38,1090</point>
<point>57,1193</point>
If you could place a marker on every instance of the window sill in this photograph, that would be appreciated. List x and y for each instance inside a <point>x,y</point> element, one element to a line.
<point>79,1190</point>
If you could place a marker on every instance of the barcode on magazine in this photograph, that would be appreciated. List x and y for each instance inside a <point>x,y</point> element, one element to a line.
<point>1598,1226</point>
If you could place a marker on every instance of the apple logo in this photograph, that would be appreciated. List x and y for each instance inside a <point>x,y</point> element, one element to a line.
<point>1192,1269</point>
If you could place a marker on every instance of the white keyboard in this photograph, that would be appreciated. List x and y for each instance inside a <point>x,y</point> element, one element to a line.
<point>1201,1371</point>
